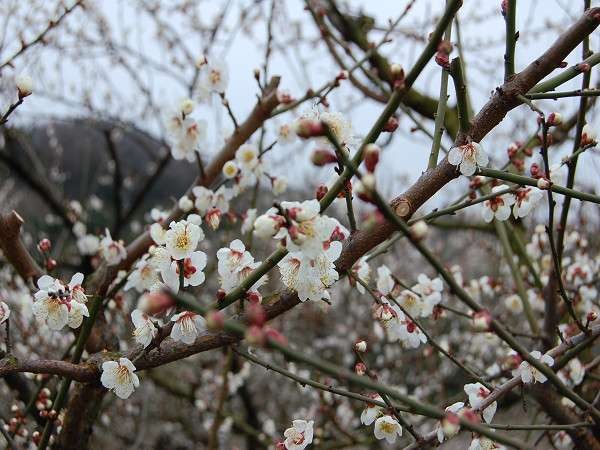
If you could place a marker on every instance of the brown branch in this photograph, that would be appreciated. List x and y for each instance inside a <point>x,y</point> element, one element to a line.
<point>504,100</point>
<point>13,248</point>
<point>79,372</point>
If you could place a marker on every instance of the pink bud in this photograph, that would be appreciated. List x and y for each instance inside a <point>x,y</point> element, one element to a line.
<point>44,245</point>
<point>255,336</point>
<point>360,368</point>
<point>554,119</point>
<point>322,156</point>
<point>213,218</point>
<point>256,314</point>
<point>482,320</point>
<point>584,67</point>
<point>321,191</point>
<point>391,125</point>
<point>215,320</point>
<point>275,336</point>
<point>371,157</point>
<point>50,264</point>
<point>306,128</point>
<point>543,183</point>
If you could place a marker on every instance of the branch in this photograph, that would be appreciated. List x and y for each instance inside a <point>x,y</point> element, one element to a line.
<point>13,248</point>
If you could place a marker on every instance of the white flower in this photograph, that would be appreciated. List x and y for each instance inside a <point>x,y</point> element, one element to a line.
<point>119,377</point>
<point>387,428</point>
<point>185,203</point>
<point>59,305</point>
<point>247,157</point>
<point>414,305</point>
<point>483,443</point>
<point>573,373</point>
<point>182,239</point>
<point>286,134</point>
<point>268,224</point>
<point>214,76</point>
<point>514,304</point>
<point>468,157</point>
<point>248,222</point>
<point>430,290</point>
<point>477,393</point>
<point>299,436</point>
<point>399,327</point>
<point>145,330</point>
<point>371,413</point>
<point>525,200</point>
<point>230,169</point>
<point>339,126</point>
<point>562,440</point>
<point>192,271</point>
<point>530,374</point>
<point>207,199</point>
<point>310,278</point>
<point>24,84</point>
<point>144,276</point>
<point>186,142</point>
<point>362,271</point>
<point>88,244</point>
<point>449,426</point>
<point>587,135</point>
<point>385,281</point>
<point>498,207</point>
<point>232,258</point>
<point>187,106</point>
<point>112,251</point>
<point>4,312</point>
<point>188,325</point>
<point>158,233</point>
<point>280,185</point>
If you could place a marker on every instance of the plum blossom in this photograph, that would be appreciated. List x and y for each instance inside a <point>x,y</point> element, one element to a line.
<point>57,304</point>
<point>477,393</point>
<point>468,157</point>
<point>235,264</point>
<point>182,239</point>
<point>119,377</point>
<point>371,412</point>
<point>573,373</point>
<point>88,244</point>
<point>449,426</point>
<point>484,443</point>
<point>525,200</point>
<point>528,373</point>
<point>299,435</point>
<point>498,207</point>
<point>362,271</point>
<point>214,76</point>
<point>4,312</point>
<point>144,276</point>
<point>193,274</point>
<point>24,85</point>
<point>514,304</point>
<point>414,305</point>
<point>248,222</point>
<point>430,290</point>
<point>144,330</point>
<point>311,277</point>
<point>385,281</point>
<point>112,251</point>
<point>388,428</point>
<point>187,326</point>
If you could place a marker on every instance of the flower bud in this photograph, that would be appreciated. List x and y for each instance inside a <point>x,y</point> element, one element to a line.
<point>306,128</point>
<point>535,170</point>
<point>322,156</point>
<point>279,184</point>
<point>154,303</point>
<point>266,226</point>
<point>230,170</point>
<point>584,67</point>
<point>255,336</point>
<point>24,85</point>
<point>554,119</point>
<point>391,125</point>
<point>360,368</point>
<point>187,106</point>
<point>215,320</point>
<point>592,316</point>
<point>419,229</point>
<point>185,203</point>
<point>360,346</point>
<point>50,264</point>
<point>321,192</point>
<point>275,336</point>
<point>255,314</point>
<point>588,136</point>
<point>371,156</point>
<point>44,245</point>
<point>482,320</point>
<point>213,218</point>
<point>543,183</point>
<point>450,425</point>
<point>284,97</point>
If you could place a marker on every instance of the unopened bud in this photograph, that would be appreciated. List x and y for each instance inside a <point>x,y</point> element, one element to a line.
<point>360,346</point>
<point>543,183</point>
<point>535,170</point>
<point>554,119</point>
<point>256,314</point>
<point>360,368</point>
<point>371,156</point>
<point>592,316</point>
<point>450,425</point>
<point>306,128</point>
<point>321,192</point>
<point>187,106</point>
<point>322,156</point>
<point>284,97</point>
<point>50,264</point>
<point>482,320</point>
<point>44,245</point>
<point>213,218</point>
<point>255,336</point>
<point>215,320</point>
<point>584,67</point>
<point>24,85</point>
<point>391,125</point>
<point>419,229</point>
